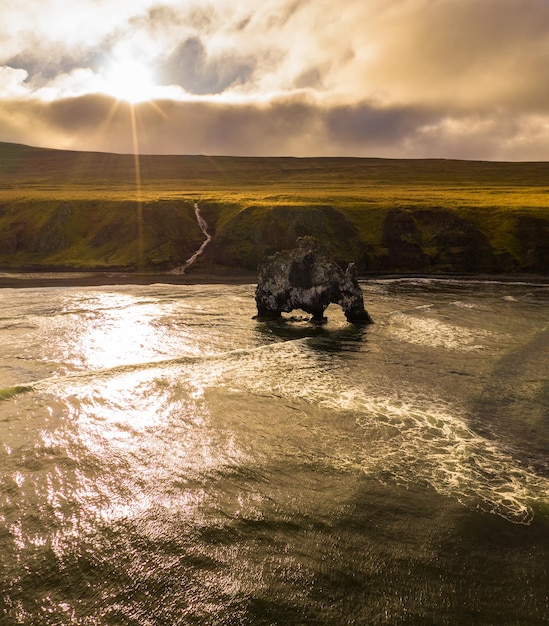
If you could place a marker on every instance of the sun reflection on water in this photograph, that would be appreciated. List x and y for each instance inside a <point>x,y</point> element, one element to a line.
<point>119,330</point>
<point>135,448</point>
<point>129,425</point>
<point>142,440</point>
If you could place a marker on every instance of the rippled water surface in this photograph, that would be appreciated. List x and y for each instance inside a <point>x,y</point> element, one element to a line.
<point>166,459</point>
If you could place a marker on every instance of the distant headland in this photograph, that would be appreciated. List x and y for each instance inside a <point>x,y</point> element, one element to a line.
<point>65,211</point>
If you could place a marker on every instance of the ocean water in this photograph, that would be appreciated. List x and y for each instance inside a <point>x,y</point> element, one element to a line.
<point>165,459</point>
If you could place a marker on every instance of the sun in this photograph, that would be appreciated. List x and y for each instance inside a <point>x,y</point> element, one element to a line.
<point>130,80</point>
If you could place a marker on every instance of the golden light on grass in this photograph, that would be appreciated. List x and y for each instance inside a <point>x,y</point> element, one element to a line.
<point>108,192</point>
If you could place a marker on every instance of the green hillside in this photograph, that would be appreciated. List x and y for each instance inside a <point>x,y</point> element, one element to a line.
<point>65,210</point>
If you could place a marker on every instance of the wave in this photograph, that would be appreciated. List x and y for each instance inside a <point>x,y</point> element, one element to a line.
<point>408,436</point>
<point>435,333</point>
<point>429,441</point>
<point>461,282</point>
<point>404,437</point>
<point>57,382</point>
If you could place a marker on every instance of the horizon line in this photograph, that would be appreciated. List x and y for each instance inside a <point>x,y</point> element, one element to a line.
<point>250,156</point>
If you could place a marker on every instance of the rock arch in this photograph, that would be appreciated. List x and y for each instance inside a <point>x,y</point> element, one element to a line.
<point>308,278</point>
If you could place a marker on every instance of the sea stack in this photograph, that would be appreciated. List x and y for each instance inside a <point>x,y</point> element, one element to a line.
<point>308,278</point>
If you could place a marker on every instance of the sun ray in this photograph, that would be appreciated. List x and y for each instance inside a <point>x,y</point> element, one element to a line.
<point>130,80</point>
<point>138,187</point>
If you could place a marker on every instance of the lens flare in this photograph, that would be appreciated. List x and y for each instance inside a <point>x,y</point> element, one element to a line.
<point>130,80</point>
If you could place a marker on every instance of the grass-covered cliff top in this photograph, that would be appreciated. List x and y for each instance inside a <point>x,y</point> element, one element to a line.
<point>94,210</point>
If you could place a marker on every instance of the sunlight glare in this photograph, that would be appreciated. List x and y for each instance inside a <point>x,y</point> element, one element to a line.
<point>130,80</point>
<point>120,331</point>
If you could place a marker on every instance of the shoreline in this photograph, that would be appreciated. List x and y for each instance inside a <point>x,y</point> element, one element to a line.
<point>22,279</point>
<point>75,278</point>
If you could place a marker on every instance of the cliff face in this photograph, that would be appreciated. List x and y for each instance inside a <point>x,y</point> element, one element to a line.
<point>161,235</point>
<point>97,235</point>
<point>259,231</point>
<point>401,240</point>
<point>441,241</point>
<point>65,210</point>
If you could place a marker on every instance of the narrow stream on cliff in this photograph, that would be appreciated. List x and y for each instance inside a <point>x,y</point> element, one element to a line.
<point>203,225</point>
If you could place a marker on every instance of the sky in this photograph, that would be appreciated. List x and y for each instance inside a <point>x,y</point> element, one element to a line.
<point>460,79</point>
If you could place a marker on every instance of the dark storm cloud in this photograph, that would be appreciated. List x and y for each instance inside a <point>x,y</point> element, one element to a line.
<point>283,126</point>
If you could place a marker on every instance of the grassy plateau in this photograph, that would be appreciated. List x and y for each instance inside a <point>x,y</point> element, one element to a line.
<point>97,211</point>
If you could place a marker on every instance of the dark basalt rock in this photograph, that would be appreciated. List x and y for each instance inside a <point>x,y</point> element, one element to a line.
<point>533,237</point>
<point>403,241</point>
<point>307,278</point>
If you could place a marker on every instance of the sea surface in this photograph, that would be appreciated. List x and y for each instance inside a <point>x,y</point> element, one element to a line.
<point>166,459</point>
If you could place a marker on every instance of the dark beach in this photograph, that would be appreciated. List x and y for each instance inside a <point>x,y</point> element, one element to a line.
<point>30,279</point>
<point>91,279</point>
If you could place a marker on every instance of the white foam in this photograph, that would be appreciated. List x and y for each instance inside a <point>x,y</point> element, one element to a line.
<point>413,438</point>
<point>419,330</point>
<point>432,443</point>
<point>408,437</point>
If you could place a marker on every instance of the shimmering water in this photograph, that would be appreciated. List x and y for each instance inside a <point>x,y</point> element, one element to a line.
<point>165,459</point>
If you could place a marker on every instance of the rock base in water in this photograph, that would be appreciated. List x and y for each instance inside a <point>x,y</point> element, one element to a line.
<point>307,278</point>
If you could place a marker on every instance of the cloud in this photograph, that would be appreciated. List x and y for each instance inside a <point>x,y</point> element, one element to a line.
<point>190,67</point>
<point>298,125</point>
<point>12,81</point>
<point>407,77</point>
<point>469,53</point>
